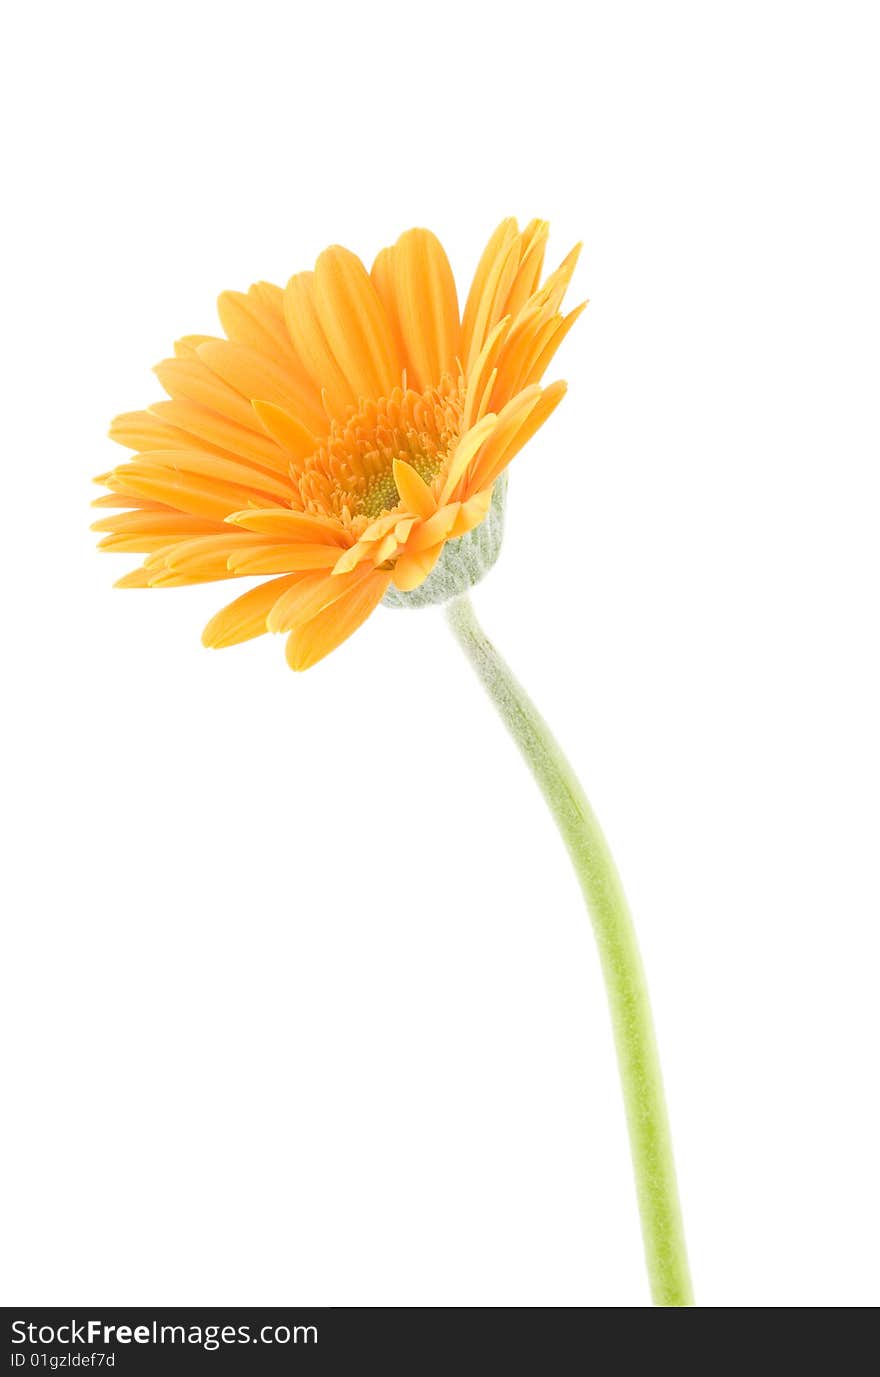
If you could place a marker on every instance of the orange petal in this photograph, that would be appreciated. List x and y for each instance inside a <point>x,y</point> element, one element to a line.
<point>358,553</point>
<point>252,374</point>
<point>133,543</point>
<point>532,248</point>
<point>412,569</point>
<point>246,617</point>
<point>534,324</point>
<point>201,428</point>
<point>179,565</point>
<point>488,267</point>
<point>311,594</point>
<point>171,579</point>
<point>284,427</point>
<point>184,492</point>
<point>309,643</point>
<point>194,380</point>
<point>219,469</point>
<point>467,448</point>
<point>287,525</point>
<point>488,297</point>
<point>427,306</point>
<point>471,513</point>
<point>555,287</point>
<point>414,492</point>
<point>382,276</point>
<point>185,555</point>
<point>509,440</point>
<point>256,319</point>
<point>157,522</point>
<point>187,346</point>
<point>144,504</point>
<point>138,578</point>
<point>354,323</point>
<point>545,358</point>
<point>436,529</point>
<point>481,374</point>
<point>144,430</point>
<point>282,559</point>
<point>310,342</point>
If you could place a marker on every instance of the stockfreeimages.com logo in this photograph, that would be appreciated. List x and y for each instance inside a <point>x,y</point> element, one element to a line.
<point>207,1336</point>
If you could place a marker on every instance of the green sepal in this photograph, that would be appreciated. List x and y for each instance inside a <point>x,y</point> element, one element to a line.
<point>464,561</point>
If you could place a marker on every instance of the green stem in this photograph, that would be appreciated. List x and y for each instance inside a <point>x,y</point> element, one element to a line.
<point>650,1142</point>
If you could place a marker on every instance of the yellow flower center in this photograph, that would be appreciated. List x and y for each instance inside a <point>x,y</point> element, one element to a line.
<point>350,476</point>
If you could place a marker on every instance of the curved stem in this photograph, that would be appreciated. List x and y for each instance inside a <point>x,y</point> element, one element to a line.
<point>637,1058</point>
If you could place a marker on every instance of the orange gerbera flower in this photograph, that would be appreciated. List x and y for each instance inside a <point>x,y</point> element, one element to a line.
<point>344,431</point>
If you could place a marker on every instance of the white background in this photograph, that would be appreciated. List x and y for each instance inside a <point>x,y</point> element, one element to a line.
<point>301,1002</point>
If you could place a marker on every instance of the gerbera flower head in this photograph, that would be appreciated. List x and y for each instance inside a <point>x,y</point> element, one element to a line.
<point>345,440</point>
